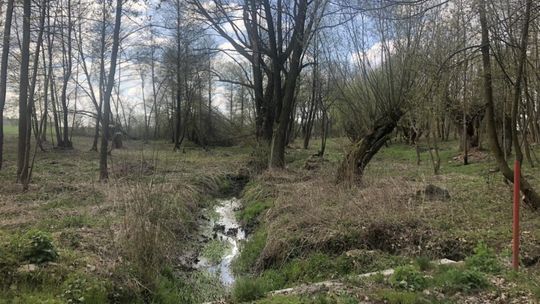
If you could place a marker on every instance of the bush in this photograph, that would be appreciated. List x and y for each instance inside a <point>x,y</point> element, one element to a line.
<point>81,289</point>
<point>169,291</point>
<point>248,289</point>
<point>483,259</point>
<point>35,246</point>
<point>258,158</point>
<point>196,287</point>
<point>273,279</point>
<point>154,217</point>
<point>408,278</point>
<point>281,299</point>
<point>459,280</point>
<point>317,267</point>
<point>424,263</point>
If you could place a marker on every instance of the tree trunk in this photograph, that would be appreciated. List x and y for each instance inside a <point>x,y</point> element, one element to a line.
<point>66,143</point>
<point>352,167</point>
<point>279,138</point>
<point>324,132</point>
<point>531,197</point>
<point>24,119</point>
<point>103,171</point>
<point>517,85</point>
<point>3,73</point>
<point>312,108</point>
<point>32,90</point>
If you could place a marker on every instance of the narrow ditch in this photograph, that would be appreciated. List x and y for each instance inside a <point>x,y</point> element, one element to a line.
<point>225,234</point>
<point>221,233</point>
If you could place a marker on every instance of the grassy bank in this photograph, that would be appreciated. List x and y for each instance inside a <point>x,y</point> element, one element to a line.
<point>307,229</point>
<point>73,239</point>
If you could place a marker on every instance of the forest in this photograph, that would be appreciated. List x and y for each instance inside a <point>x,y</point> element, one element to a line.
<point>270,151</point>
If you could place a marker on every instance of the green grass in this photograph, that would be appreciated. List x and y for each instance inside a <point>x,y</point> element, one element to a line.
<point>249,215</point>
<point>215,250</point>
<point>479,210</point>
<point>86,219</point>
<point>250,252</point>
<point>10,130</point>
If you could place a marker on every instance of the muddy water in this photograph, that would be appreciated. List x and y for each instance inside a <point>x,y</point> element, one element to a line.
<point>223,227</point>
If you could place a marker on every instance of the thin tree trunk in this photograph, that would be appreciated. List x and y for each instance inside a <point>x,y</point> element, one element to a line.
<point>103,171</point>
<point>101,77</point>
<point>66,143</point>
<point>519,74</point>
<point>324,132</point>
<point>24,119</point>
<point>31,102</point>
<point>531,197</point>
<point>3,73</point>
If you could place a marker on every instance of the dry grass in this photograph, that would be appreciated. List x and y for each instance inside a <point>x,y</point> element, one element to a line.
<point>124,231</point>
<point>313,214</point>
<point>156,221</point>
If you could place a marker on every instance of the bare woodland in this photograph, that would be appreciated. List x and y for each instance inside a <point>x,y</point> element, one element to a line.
<point>271,75</point>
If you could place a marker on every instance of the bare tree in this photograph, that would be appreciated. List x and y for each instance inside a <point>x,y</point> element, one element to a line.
<point>377,95</point>
<point>4,72</point>
<point>275,48</point>
<point>103,170</point>
<point>531,197</point>
<point>23,153</point>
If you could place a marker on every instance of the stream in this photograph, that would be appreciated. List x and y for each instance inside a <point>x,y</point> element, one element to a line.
<point>224,227</point>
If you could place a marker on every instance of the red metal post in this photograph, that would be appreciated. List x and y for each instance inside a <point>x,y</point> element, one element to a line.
<point>515,243</point>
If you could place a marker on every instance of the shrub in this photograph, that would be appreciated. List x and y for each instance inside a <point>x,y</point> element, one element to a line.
<point>74,221</point>
<point>282,299</point>
<point>154,217</point>
<point>168,291</point>
<point>317,267</point>
<point>197,287</point>
<point>81,289</point>
<point>408,278</point>
<point>459,280</point>
<point>536,292</point>
<point>424,263</point>
<point>8,264</point>
<point>273,279</point>
<point>258,158</point>
<point>483,259</point>
<point>35,246</point>
<point>247,289</point>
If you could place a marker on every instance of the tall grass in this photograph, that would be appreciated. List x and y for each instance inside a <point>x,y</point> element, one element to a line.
<point>155,220</point>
